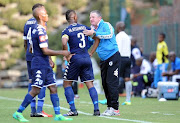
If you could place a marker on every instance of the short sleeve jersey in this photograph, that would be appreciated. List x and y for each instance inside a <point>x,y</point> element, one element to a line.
<point>162,51</point>
<point>176,64</point>
<point>78,42</point>
<point>29,25</point>
<point>40,40</point>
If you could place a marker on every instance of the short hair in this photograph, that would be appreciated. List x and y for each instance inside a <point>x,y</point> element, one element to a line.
<point>37,5</point>
<point>97,12</point>
<point>69,13</point>
<point>163,35</point>
<point>120,25</point>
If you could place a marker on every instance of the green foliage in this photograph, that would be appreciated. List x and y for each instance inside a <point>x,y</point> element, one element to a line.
<point>10,62</point>
<point>25,6</point>
<point>55,40</point>
<point>17,25</point>
<point>8,13</point>
<point>75,4</point>
<point>4,42</point>
<point>18,43</point>
<point>13,1</point>
<point>52,9</point>
<point>4,2</point>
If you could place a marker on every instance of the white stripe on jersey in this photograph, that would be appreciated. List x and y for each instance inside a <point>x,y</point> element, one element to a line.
<point>43,45</point>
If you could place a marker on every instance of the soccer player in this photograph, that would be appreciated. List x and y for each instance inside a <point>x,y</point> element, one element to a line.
<point>110,58</point>
<point>42,74</point>
<point>80,64</point>
<point>124,45</point>
<point>27,41</point>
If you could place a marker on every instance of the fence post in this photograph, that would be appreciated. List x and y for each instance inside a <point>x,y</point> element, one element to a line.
<point>176,39</point>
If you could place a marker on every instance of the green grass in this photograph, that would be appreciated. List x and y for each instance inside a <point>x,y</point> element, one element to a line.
<point>141,109</point>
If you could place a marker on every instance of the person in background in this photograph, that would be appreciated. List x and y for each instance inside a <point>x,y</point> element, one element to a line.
<point>124,45</point>
<point>162,59</point>
<point>175,67</point>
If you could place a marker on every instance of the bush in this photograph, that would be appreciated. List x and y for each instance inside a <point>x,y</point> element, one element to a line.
<point>8,13</point>
<point>4,42</point>
<point>75,4</point>
<point>4,2</point>
<point>25,6</point>
<point>17,25</point>
<point>52,9</point>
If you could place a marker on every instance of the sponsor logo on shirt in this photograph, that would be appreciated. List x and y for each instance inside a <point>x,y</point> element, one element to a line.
<point>42,38</point>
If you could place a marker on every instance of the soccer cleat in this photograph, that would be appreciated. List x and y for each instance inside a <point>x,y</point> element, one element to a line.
<point>96,113</point>
<point>126,103</point>
<point>33,115</point>
<point>76,96</point>
<point>111,112</point>
<point>48,115</point>
<point>103,102</point>
<point>62,118</point>
<point>71,113</point>
<point>18,116</point>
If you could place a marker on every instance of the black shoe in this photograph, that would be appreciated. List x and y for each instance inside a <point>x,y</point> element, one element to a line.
<point>96,113</point>
<point>35,115</point>
<point>71,113</point>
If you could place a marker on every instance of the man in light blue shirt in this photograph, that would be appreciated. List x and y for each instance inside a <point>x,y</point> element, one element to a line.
<point>109,55</point>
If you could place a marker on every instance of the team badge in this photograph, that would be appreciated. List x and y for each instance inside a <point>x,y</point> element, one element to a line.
<point>42,38</point>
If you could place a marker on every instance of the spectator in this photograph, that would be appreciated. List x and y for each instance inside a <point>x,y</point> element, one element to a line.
<point>141,75</point>
<point>162,59</point>
<point>175,67</point>
<point>124,45</point>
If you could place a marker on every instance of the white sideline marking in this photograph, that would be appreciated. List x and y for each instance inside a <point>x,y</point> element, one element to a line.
<point>80,112</point>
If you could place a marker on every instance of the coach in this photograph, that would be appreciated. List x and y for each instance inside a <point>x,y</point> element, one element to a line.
<point>109,55</point>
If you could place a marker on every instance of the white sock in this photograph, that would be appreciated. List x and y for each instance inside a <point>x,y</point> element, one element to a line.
<point>128,85</point>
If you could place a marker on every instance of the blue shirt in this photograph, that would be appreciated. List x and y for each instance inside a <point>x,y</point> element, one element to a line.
<point>108,45</point>
<point>40,40</point>
<point>176,64</point>
<point>78,42</point>
<point>27,35</point>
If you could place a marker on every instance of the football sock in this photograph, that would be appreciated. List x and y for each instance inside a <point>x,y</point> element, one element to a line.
<point>94,97</point>
<point>27,100</point>
<point>41,97</point>
<point>55,102</point>
<point>29,87</point>
<point>128,85</point>
<point>70,97</point>
<point>33,105</point>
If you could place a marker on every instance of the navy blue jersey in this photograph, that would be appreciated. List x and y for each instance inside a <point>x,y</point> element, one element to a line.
<point>40,40</point>
<point>29,25</point>
<point>77,41</point>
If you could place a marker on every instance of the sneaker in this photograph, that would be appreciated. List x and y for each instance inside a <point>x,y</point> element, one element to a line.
<point>103,102</point>
<point>76,96</point>
<point>71,113</point>
<point>62,118</point>
<point>111,112</point>
<point>18,116</point>
<point>126,103</point>
<point>33,115</point>
<point>48,115</point>
<point>96,113</point>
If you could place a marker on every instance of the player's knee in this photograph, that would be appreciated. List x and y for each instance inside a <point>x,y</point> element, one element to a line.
<point>53,89</point>
<point>67,84</point>
<point>34,91</point>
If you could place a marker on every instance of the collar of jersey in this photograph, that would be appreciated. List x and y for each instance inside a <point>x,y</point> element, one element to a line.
<point>73,24</point>
<point>41,26</point>
<point>101,21</point>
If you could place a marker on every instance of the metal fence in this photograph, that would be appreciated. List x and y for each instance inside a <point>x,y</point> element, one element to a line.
<point>172,32</point>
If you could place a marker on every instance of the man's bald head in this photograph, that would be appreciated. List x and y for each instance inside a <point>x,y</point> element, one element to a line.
<point>172,56</point>
<point>120,26</point>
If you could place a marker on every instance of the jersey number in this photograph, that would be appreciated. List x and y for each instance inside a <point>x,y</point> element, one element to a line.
<point>82,38</point>
<point>30,39</point>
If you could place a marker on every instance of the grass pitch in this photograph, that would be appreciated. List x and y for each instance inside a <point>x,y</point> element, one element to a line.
<point>141,110</point>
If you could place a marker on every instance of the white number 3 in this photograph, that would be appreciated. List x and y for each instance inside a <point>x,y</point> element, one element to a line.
<point>82,38</point>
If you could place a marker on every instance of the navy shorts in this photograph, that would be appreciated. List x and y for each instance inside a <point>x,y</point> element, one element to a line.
<point>29,69</point>
<point>79,67</point>
<point>42,77</point>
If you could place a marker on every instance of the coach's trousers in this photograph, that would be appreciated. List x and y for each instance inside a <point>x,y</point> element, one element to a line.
<point>110,71</point>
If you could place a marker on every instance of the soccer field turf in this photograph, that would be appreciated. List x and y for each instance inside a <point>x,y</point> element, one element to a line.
<point>141,110</point>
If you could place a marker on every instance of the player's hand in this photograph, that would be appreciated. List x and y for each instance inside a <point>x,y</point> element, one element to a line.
<point>164,74</point>
<point>89,32</point>
<point>90,54</point>
<point>51,63</point>
<point>65,53</point>
<point>68,58</point>
<point>30,48</point>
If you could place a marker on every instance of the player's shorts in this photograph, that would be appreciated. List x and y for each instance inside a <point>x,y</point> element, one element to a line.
<point>79,67</point>
<point>42,77</point>
<point>29,69</point>
<point>125,67</point>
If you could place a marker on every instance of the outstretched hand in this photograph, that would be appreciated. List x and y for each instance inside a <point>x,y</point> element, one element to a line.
<point>68,58</point>
<point>88,32</point>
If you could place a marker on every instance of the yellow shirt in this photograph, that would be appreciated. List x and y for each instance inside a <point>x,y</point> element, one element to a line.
<point>162,52</point>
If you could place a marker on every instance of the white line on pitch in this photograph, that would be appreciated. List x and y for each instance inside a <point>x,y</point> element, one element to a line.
<point>80,112</point>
